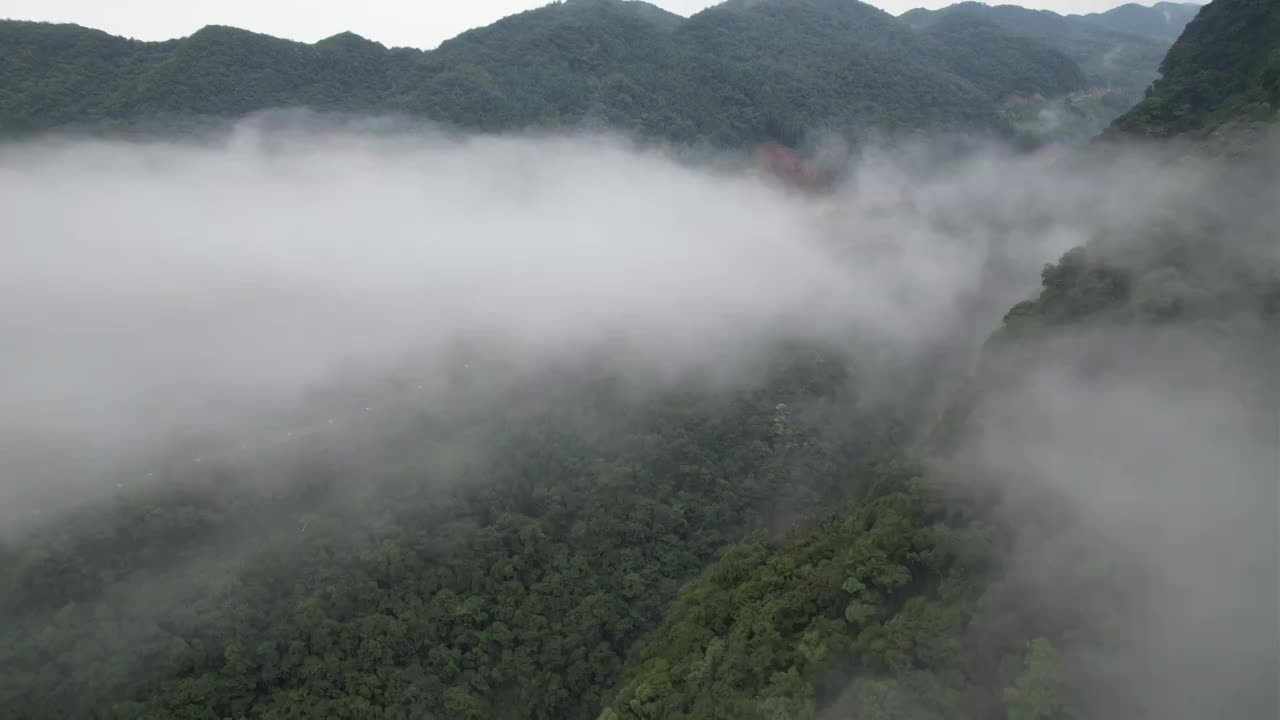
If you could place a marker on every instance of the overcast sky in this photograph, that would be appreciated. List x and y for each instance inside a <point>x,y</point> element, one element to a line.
<point>391,22</point>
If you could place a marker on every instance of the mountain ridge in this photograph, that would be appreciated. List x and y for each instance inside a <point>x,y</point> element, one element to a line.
<point>731,74</point>
<point>1110,52</point>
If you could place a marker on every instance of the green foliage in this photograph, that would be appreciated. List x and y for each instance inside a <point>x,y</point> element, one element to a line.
<point>592,548</point>
<point>1221,71</point>
<point>1000,62</point>
<point>900,606</point>
<point>1112,55</point>
<point>1077,288</point>
<point>733,74</point>
<point>834,63</point>
<point>777,630</point>
<point>518,594</point>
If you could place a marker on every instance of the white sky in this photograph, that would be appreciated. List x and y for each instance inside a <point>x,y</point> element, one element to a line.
<point>420,23</point>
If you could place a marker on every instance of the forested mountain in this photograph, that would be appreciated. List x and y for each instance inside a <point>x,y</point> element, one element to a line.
<point>1086,529</point>
<point>1119,50</point>
<point>912,590</point>
<point>1225,69</point>
<point>790,548</point>
<point>1163,19</point>
<point>733,73</point>
<point>1000,62</point>
<point>519,596</point>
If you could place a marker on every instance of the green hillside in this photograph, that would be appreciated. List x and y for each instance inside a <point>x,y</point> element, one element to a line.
<point>562,63</point>
<point>1001,62</point>
<point>519,594</point>
<point>902,606</point>
<point>1225,69</point>
<point>1119,50</point>
<point>811,541</point>
<point>731,74</point>
<point>785,551</point>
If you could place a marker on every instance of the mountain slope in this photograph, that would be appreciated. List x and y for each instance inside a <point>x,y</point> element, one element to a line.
<point>1164,20</point>
<point>1002,63</point>
<point>553,64</point>
<point>1224,68</point>
<point>57,75</point>
<point>911,604</point>
<point>509,583</point>
<point>1122,61</point>
<point>606,547</point>
<point>798,63</point>
<point>916,601</point>
<point>732,74</point>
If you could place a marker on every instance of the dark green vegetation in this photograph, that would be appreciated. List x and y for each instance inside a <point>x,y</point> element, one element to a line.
<point>1118,51</point>
<point>763,552</point>
<point>1223,71</point>
<point>885,592</point>
<point>346,579</point>
<point>733,74</point>
<point>910,591</point>
<point>1000,62</point>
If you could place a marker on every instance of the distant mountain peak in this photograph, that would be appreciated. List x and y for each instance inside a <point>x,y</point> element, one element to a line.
<point>348,39</point>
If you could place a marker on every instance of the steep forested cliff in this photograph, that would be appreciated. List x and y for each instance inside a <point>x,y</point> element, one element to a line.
<point>1224,69</point>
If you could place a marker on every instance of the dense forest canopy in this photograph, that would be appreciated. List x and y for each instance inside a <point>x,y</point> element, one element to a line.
<point>346,418</point>
<point>811,525</point>
<point>733,74</point>
<point>1223,71</point>
<point>1118,52</point>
